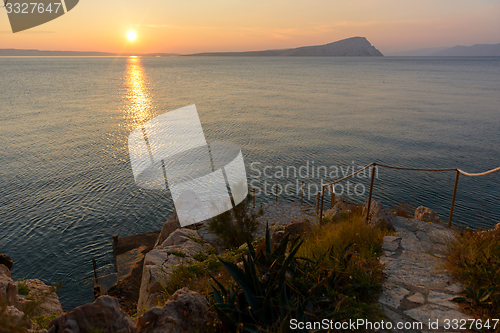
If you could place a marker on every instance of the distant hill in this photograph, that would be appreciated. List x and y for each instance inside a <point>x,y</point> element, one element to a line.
<point>355,46</point>
<point>39,53</point>
<point>478,50</point>
<point>417,53</point>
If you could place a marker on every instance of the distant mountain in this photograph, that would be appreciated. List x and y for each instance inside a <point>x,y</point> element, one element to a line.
<point>417,53</point>
<point>478,50</point>
<point>39,53</point>
<point>355,46</point>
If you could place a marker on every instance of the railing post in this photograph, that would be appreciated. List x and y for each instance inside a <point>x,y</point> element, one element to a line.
<point>370,194</point>
<point>97,288</point>
<point>115,250</point>
<point>321,210</point>
<point>301,192</point>
<point>453,198</point>
<point>332,203</point>
<point>316,202</point>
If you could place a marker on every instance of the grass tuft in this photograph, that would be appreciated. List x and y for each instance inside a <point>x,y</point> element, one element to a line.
<point>178,253</point>
<point>474,260</point>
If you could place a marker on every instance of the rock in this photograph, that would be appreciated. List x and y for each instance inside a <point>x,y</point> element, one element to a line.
<point>186,311</point>
<point>378,214</point>
<point>6,261</point>
<point>104,313</point>
<point>344,205</point>
<point>391,243</point>
<point>455,288</point>
<point>277,236</point>
<point>8,289</point>
<point>297,228</point>
<point>4,270</point>
<point>417,298</point>
<point>40,291</point>
<point>333,213</point>
<point>435,313</point>
<point>341,205</point>
<point>179,237</point>
<point>159,263</point>
<point>426,214</point>
<point>16,318</point>
<point>169,226</point>
<point>392,295</point>
<point>442,299</point>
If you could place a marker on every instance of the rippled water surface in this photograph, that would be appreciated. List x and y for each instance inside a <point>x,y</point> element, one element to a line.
<point>67,184</point>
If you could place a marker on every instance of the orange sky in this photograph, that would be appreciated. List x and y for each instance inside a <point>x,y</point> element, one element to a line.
<point>236,25</point>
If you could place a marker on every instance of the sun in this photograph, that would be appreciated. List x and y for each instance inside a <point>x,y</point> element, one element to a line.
<point>131,35</point>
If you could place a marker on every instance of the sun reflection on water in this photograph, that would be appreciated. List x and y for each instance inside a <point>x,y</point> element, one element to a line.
<point>139,109</point>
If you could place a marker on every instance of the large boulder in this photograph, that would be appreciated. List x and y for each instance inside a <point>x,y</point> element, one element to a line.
<point>8,289</point>
<point>426,214</point>
<point>169,226</point>
<point>179,247</point>
<point>104,314</point>
<point>6,261</point>
<point>185,312</point>
<point>45,296</point>
<point>378,214</point>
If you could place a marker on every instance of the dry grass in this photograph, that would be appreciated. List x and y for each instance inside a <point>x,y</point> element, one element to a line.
<point>363,270</point>
<point>474,260</point>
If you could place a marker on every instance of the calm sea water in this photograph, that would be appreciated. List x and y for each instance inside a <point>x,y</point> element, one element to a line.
<point>67,184</point>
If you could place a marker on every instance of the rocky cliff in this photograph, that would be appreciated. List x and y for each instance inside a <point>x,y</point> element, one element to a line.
<point>350,47</point>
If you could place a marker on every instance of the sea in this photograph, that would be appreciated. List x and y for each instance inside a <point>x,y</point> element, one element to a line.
<point>66,182</point>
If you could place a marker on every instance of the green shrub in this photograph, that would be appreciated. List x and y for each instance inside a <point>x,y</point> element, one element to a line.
<point>42,322</point>
<point>23,289</point>
<point>200,256</point>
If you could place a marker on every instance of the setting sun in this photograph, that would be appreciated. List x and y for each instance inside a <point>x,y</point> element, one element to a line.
<point>131,35</point>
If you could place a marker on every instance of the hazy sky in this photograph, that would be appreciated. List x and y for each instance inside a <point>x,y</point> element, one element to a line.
<point>234,25</point>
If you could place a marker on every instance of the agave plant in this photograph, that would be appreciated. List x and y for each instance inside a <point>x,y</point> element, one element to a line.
<point>263,300</point>
<point>272,288</point>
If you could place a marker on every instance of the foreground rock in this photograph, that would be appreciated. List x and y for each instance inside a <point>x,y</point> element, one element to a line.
<point>103,314</point>
<point>8,289</point>
<point>179,247</point>
<point>186,311</point>
<point>417,289</point>
<point>40,299</point>
<point>426,214</point>
<point>44,295</point>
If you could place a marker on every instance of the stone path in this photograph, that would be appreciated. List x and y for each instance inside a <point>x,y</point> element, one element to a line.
<point>417,289</point>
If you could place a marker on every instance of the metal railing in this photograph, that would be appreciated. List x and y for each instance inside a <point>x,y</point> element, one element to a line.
<point>321,194</point>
